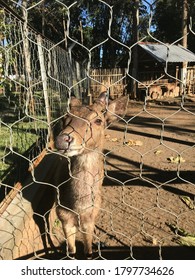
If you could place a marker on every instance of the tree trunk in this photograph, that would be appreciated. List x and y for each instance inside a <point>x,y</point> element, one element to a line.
<point>135,49</point>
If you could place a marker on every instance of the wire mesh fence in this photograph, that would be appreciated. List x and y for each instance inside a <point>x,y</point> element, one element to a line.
<point>148,193</point>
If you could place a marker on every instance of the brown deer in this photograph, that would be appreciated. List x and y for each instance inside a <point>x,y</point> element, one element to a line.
<point>81,142</point>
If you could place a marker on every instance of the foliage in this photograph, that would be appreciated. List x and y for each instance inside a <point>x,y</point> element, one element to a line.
<point>89,26</point>
<point>168,21</point>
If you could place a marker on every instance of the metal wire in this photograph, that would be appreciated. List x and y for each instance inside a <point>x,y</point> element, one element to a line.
<point>141,198</point>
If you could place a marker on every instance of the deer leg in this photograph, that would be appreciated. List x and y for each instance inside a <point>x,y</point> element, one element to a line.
<point>88,230</point>
<point>70,235</point>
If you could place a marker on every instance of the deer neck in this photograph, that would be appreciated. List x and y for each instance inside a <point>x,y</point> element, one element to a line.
<point>91,162</point>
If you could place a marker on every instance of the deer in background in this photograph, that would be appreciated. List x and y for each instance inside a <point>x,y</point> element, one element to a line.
<point>81,141</point>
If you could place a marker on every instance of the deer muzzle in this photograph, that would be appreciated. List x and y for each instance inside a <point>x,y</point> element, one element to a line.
<point>63,141</point>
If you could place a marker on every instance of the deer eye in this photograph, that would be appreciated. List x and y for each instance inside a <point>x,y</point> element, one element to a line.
<point>98,121</point>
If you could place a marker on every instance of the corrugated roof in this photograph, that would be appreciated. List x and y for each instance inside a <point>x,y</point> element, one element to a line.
<point>169,53</point>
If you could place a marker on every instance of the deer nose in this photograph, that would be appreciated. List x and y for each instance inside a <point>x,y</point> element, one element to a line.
<point>63,141</point>
<point>67,138</point>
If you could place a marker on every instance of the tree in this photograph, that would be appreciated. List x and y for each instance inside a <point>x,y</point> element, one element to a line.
<point>89,26</point>
<point>168,21</point>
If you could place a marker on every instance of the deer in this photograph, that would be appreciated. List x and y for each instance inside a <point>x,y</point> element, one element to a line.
<point>81,142</point>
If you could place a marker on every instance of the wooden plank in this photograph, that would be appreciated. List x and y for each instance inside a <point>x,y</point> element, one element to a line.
<point>106,75</point>
<point>9,197</point>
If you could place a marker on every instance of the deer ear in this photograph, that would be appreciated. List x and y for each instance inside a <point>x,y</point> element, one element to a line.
<point>102,99</point>
<point>75,102</point>
<point>117,108</point>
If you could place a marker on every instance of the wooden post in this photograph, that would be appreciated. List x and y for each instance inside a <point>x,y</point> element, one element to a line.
<point>135,50</point>
<point>27,56</point>
<point>176,74</point>
<point>45,91</point>
<point>65,31</point>
<point>184,43</point>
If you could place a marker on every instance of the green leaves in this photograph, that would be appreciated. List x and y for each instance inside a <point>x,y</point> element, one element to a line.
<point>182,237</point>
<point>188,201</point>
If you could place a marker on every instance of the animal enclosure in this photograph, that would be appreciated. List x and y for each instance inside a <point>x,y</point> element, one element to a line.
<point>148,190</point>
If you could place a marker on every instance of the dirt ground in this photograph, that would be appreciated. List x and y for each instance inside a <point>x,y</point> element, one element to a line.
<point>149,188</point>
<point>148,198</point>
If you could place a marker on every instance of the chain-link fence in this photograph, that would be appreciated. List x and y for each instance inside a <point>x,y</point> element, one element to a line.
<point>148,195</point>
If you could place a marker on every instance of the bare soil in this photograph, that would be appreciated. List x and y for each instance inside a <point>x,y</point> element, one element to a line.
<point>150,171</point>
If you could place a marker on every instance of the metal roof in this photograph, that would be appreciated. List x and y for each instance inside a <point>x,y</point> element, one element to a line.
<point>168,53</point>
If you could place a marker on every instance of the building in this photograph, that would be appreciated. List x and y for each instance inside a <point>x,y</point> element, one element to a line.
<point>160,69</point>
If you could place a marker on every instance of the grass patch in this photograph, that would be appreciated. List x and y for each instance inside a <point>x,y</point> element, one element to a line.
<point>18,135</point>
<point>16,140</point>
<point>23,137</point>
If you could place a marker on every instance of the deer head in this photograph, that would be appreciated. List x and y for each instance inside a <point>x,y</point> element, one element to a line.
<point>84,125</point>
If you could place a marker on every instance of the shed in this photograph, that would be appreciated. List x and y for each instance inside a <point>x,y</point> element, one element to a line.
<point>168,53</point>
<point>161,65</point>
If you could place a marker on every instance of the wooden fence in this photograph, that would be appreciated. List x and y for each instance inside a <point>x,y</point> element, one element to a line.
<point>102,79</point>
<point>190,80</point>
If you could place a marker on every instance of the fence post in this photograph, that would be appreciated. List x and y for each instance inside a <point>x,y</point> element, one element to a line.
<point>27,55</point>
<point>45,89</point>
